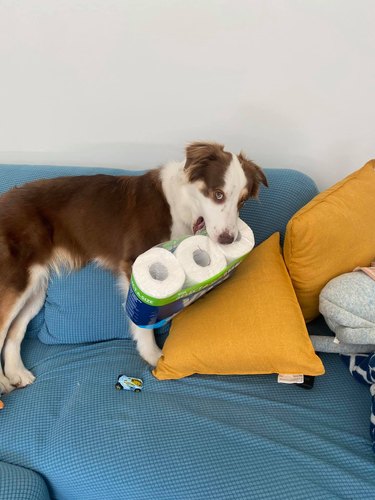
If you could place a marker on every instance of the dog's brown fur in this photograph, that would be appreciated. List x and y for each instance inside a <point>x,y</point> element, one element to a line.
<point>69,213</point>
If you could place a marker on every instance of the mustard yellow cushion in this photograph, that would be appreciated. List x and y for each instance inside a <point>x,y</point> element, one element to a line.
<point>330,236</point>
<point>250,324</point>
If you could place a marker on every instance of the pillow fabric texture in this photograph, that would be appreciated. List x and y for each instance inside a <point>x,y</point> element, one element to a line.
<point>250,324</point>
<point>331,235</point>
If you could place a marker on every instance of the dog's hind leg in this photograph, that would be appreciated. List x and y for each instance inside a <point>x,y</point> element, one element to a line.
<point>11,303</point>
<point>15,310</point>
<point>14,368</point>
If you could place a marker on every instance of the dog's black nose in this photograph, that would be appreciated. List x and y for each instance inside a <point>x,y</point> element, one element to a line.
<point>226,238</point>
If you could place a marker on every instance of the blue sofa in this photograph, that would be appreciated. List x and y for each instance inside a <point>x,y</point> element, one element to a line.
<point>71,435</point>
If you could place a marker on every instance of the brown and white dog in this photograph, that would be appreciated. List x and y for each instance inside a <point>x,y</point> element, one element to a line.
<point>69,221</point>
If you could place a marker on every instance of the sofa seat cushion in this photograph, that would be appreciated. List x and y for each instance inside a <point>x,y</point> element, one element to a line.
<point>200,437</point>
<point>18,483</point>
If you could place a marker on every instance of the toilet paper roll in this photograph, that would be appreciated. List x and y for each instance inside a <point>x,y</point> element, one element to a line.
<point>242,245</point>
<point>158,273</point>
<point>200,258</point>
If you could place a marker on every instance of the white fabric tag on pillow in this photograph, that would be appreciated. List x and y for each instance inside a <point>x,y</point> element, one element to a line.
<point>290,379</point>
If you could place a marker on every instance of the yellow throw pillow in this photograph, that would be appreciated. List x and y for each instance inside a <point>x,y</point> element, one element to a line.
<point>330,236</point>
<point>250,324</point>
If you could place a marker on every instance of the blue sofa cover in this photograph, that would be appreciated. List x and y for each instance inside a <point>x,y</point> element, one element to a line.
<point>18,483</point>
<point>201,437</point>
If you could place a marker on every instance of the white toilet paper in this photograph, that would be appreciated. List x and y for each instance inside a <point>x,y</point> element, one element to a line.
<point>200,258</point>
<point>158,273</point>
<point>242,245</point>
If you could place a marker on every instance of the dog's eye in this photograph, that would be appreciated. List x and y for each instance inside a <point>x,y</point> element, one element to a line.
<point>219,195</point>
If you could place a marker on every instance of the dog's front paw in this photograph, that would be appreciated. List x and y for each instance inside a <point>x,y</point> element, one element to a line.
<point>151,354</point>
<point>20,378</point>
<point>154,357</point>
<point>146,344</point>
<point>5,385</point>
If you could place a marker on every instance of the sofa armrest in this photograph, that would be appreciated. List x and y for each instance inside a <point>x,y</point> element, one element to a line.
<point>18,483</point>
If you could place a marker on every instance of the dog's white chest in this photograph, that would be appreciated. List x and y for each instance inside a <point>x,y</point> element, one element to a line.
<point>180,229</point>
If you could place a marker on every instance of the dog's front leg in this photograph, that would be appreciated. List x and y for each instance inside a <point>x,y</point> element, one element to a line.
<point>144,337</point>
<point>146,344</point>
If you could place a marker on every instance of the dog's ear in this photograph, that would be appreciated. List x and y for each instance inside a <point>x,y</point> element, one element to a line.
<point>254,174</point>
<point>201,153</point>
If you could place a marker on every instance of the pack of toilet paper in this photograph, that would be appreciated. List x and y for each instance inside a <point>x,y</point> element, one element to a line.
<point>169,277</point>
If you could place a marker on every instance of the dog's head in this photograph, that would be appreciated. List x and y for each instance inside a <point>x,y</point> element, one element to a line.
<point>219,184</point>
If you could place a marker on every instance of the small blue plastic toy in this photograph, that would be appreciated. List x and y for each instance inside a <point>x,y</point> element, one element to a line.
<point>129,383</point>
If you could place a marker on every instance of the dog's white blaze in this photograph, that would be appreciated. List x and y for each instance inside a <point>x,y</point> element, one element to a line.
<point>222,217</point>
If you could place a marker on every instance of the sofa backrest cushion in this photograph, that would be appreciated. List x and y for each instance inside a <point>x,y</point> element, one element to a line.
<point>83,306</point>
<point>288,190</point>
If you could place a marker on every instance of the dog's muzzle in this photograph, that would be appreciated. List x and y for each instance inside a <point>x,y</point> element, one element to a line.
<point>225,238</point>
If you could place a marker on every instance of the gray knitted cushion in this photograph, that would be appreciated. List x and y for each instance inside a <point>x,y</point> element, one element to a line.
<point>348,306</point>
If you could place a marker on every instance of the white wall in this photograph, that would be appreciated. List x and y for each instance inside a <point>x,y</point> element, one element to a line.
<point>129,82</point>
